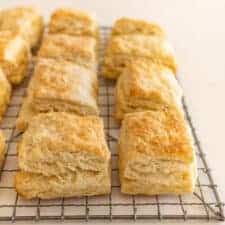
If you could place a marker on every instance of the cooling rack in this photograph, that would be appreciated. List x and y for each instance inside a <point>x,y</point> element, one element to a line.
<point>204,204</point>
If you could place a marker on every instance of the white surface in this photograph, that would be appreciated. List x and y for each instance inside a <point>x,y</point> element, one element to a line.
<point>197,30</point>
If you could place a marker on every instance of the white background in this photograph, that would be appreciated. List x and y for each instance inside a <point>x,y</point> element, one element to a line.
<point>197,30</point>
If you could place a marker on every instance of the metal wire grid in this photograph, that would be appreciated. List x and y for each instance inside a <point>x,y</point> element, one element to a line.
<point>203,204</point>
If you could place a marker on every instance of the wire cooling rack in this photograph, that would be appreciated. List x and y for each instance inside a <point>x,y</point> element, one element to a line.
<point>204,204</point>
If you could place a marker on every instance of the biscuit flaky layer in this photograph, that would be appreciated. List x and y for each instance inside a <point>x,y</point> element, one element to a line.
<point>26,115</point>
<point>25,21</point>
<point>156,150</point>
<point>146,86</point>
<point>30,185</point>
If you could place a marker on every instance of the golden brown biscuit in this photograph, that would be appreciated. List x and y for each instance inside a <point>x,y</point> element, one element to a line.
<point>59,86</point>
<point>146,86</point>
<point>126,25</point>
<point>156,154</point>
<point>76,49</point>
<point>30,185</point>
<point>14,56</point>
<point>73,22</point>
<point>62,148</point>
<point>5,93</point>
<point>122,49</point>
<point>25,21</point>
<point>2,148</point>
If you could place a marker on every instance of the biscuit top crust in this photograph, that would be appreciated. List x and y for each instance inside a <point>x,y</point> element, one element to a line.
<point>159,134</point>
<point>127,25</point>
<point>59,131</point>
